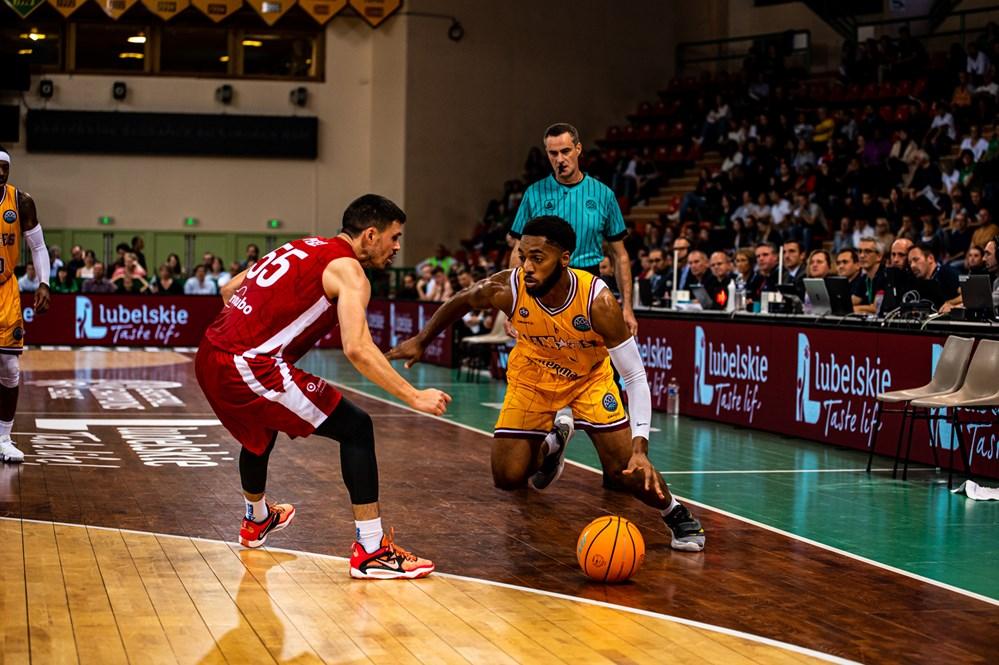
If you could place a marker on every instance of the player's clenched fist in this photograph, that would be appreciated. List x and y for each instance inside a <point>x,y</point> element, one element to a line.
<point>431,401</point>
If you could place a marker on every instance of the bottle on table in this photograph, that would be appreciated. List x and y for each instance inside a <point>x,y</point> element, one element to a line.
<point>673,397</point>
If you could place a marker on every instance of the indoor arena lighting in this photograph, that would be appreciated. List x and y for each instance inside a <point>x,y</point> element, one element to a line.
<point>273,223</point>
<point>224,58</point>
<point>34,35</point>
<point>190,221</point>
<point>134,56</point>
<point>24,51</point>
<point>137,39</point>
<point>104,219</point>
<point>252,42</point>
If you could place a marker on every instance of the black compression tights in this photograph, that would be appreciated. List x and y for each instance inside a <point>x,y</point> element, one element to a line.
<point>350,426</point>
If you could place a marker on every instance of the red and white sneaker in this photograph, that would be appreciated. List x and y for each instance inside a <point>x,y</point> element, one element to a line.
<point>254,534</point>
<point>387,562</point>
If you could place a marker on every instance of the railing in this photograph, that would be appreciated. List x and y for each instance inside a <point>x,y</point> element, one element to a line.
<point>727,55</point>
<point>935,32</point>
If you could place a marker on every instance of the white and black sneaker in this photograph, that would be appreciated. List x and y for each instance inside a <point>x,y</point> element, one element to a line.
<point>554,462</point>
<point>686,532</point>
<point>9,452</point>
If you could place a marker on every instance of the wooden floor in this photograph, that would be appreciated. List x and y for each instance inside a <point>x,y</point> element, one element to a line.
<point>128,443</point>
<point>95,595</point>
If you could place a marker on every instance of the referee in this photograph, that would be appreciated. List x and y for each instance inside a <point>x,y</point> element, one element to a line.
<point>587,204</point>
<point>591,209</point>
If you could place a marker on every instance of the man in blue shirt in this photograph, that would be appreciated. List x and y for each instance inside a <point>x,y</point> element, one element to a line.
<point>587,204</point>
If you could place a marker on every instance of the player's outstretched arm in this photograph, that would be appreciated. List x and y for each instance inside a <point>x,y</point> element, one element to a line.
<point>490,293</point>
<point>608,322</point>
<point>345,281</point>
<point>32,231</point>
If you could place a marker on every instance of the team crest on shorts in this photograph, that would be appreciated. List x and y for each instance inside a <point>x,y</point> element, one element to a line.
<point>10,216</point>
<point>590,204</point>
<point>18,333</point>
<point>610,403</point>
<point>580,323</point>
<point>523,312</point>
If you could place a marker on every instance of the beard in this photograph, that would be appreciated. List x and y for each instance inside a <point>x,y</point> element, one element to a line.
<point>542,289</point>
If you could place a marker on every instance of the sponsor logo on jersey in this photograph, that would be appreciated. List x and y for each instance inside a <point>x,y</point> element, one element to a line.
<point>238,301</point>
<point>610,402</point>
<point>8,239</point>
<point>549,205</point>
<point>590,204</point>
<point>580,323</point>
<point>523,312</point>
<point>10,216</point>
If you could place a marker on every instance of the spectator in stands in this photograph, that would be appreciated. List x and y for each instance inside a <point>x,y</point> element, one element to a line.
<point>794,265</point>
<point>985,228</point>
<point>63,283</point>
<point>956,240</point>
<point>121,249</point>
<point>809,220</point>
<point>75,261</point>
<point>661,279</point>
<point>408,290</point>
<point>898,256</point>
<point>206,261</point>
<point>745,265</point>
<point>843,238</point>
<point>606,273</point>
<point>98,283</point>
<point>199,284</point>
<point>173,261</point>
<point>130,283</point>
<point>978,62</point>
<point>168,284</point>
<point>873,280</point>
<point>882,231</point>
<point>55,257</point>
<point>765,278</point>
<point>819,264</point>
<point>138,244</point>
<point>131,267</point>
<point>441,259</point>
<point>942,133</point>
<point>695,272</point>
<point>989,87</point>
<point>992,265</point>
<point>86,270</point>
<point>218,273</point>
<point>440,286</point>
<point>425,284</point>
<point>904,156</point>
<point>975,143</point>
<point>848,265</point>
<point>974,261</point>
<point>924,265</point>
<point>960,100</point>
<point>823,129</point>
<point>252,256</point>
<point>29,281</point>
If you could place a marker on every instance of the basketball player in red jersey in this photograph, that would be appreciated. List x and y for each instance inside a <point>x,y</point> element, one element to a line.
<point>274,313</point>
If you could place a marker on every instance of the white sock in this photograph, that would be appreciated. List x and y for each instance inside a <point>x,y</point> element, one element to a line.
<point>551,443</point>
<point>369,534</point>
<point>672,504</point>
<point>256,511</point>
<point>5,427</point>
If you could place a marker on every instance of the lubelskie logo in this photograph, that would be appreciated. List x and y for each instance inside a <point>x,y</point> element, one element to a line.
<point>85,328</point>
<point>839,393</point>
<point>728,379</point>
<point>124,323</point>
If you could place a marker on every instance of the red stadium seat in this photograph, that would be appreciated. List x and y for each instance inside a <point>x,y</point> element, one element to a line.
<point>904,88</point>
<point>613,133</point>
<point>919,87</point>
<point>677,131</point>
<point>628,133</point>
<point>886,90</point>
<point>853,92</point>
<point>662,131</point>
<point>887,113</point>
<point>644,108</point>
<point>902,113</point>
<point>662,154</point>
<point>645,132</point>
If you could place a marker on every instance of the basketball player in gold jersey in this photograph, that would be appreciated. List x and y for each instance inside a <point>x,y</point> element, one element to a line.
<point>18,215</point>
<point>570,330</point>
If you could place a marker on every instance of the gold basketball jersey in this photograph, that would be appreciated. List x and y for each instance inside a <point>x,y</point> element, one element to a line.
<point>10,232</point>
<point>559,340</point>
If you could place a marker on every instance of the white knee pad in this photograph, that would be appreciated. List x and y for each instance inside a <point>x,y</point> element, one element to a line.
<point>10,370</point>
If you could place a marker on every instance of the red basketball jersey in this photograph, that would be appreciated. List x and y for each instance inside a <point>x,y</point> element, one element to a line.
<point>280,309</point>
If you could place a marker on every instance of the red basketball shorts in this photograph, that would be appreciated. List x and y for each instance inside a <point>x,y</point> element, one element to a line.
<point>255,398</point>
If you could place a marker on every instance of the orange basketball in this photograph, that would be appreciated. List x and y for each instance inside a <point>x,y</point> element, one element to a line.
<point>610,549</point>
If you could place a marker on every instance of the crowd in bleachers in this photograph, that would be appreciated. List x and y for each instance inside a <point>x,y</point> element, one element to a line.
<point>901,144</point>
<point>81,272</point>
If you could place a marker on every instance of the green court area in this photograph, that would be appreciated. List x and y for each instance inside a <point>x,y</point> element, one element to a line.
<point>807,489</point>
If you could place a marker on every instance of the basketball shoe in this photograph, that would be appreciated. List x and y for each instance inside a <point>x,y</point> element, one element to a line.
<point>254,534</point>
<point>9,452</point>
<point>554,462</point>
<point>686,532</point>
<point>387,562</point>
